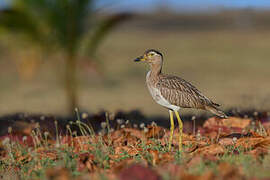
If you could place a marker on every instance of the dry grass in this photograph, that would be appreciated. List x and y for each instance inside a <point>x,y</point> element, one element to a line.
<point>233,148</point>
<point>231,67</point>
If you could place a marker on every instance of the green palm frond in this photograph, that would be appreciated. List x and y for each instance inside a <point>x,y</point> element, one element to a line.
<point>60,22</point>
<point>64,23</point>
<point>61,25</point>
<point>20,22</point>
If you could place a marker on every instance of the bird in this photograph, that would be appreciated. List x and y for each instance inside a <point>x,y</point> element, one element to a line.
<point>173,92</point>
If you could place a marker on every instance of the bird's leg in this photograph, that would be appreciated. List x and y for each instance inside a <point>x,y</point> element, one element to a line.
<point>180,129</point>
<point>171,129</point>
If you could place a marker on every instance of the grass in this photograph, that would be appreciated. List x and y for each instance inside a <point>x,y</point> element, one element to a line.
<point>92,154</point>
<point>36,168</point>
<point>229,66</point>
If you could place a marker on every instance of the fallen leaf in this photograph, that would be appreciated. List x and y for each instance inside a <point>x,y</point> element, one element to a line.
<point>23,159</point>
<point>230,122</point>
<point>253,142</point>
<point>130,150</point>
<point>86,161</point>
<point>46,153</point>
<point>195,160</point>
<point>154,132</point>
<point>58,173</point>
<point>228,171</point>
<point>208,175</point>
<point>258,152</point>
<point>136,133</point>
<point>226,141</point>
<point>126,136</point>
<point>155,156</point>
<point>172,169</point>
<point>118,167</point>
<point>82,143</point>
<point>138,172</point>
<point>213,149</point>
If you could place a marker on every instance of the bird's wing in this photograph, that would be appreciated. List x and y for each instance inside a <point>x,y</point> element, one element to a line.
<point>181,93</point>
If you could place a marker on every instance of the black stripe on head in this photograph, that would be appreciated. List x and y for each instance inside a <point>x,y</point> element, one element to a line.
<point>153,50</point>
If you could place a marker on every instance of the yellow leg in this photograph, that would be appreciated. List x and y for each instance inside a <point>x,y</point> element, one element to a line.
<point>171,129</point>
<point>180,129</point>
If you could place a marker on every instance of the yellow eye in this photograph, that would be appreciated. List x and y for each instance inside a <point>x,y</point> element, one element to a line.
<point>151,54</point>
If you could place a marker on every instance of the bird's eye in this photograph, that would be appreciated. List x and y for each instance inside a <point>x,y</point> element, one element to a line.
<point>151,54</point>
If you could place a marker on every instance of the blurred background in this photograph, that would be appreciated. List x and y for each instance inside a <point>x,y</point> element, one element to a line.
<point>57,55</point>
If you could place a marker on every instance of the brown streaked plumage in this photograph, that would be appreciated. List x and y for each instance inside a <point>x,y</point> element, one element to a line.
<point>174,92</point>
<point>183,94</point>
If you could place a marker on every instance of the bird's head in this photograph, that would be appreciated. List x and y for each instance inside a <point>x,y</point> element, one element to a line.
<point>151,57</point>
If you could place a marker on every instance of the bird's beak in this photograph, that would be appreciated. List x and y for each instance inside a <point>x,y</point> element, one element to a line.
<point>141,58</point>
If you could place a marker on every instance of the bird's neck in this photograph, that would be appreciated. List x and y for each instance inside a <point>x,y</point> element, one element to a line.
<point>155,69</point>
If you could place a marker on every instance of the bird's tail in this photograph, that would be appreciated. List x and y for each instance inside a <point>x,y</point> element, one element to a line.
<point>213,109</point>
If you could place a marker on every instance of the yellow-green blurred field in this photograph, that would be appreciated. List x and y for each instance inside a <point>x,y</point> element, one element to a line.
<point>230,65</point>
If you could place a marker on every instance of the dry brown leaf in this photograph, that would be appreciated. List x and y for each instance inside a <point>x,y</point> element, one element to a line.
<point>268,131</point>
<point>226,141</point>
<point>259,152</point>
<point>132,151</point>
<point>180,172</point>
<point>126,136</point>
<point>136,133</point>
<point>58,173</point>
<point>186,139</point>
<point>228,171</point>
<point>86,161</point>
<point>191,146</point>
<point>214,133</point>
<point>253,142</point>
<point>23,159</point>
<point>119,153</point>
<point>173,169</point>
<point>118,167</point>
<point>214,121</point>
<point>155,156</point>
<point>138,172</point>
<point>154,132</point>
<point>215,128</point>
<point>195,160</point>
<point>82,143</point>
<point>208,175</point>
<point>236,122</point>
<point>117,137</point>
<point>166,158</point>
<point>161,158</point>
<point>66,140</point>
<point>46,153</point>
<point>213,149</point>
<point>210,157</point>
<point>230,122</point>
<point>97,175</point>
<point>266,126</point>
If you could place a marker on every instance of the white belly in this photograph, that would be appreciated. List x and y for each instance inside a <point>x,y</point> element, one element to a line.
<point>156,95</point>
